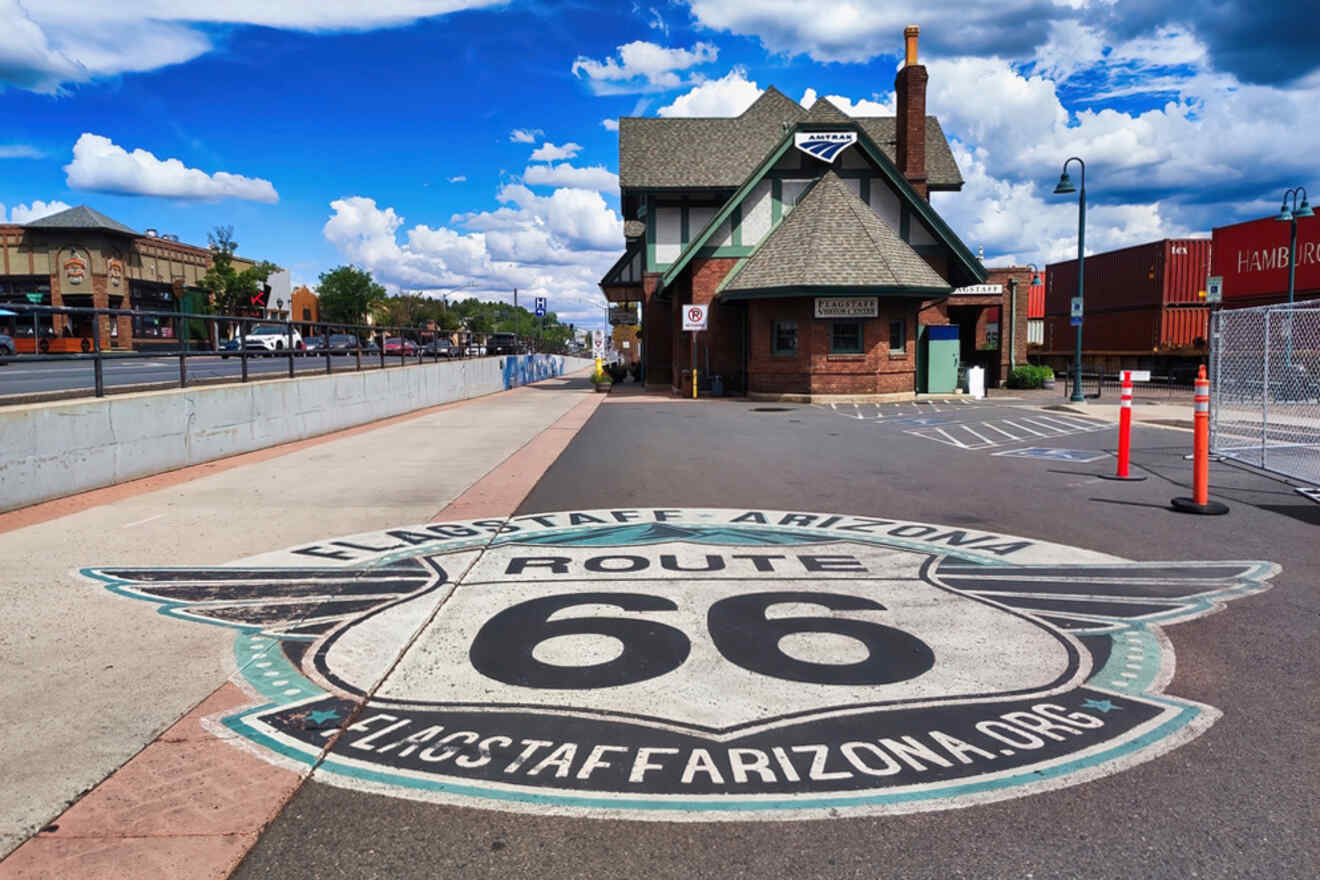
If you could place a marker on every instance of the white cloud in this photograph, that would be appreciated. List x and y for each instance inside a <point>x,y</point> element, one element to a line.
<point>461,178</point>
<point>100,165</point>
<point>525,135</point>
<point>556,246</point>
<point>34,211</point>
<point>610,124</point>
<point>595,177</point>
<point>46,44</point>
<point>657,22</point>
<point>548,152</point>
<point>642,67</point>
<point>862,107</point>
<point>728,96</point>
<point>19,151</point>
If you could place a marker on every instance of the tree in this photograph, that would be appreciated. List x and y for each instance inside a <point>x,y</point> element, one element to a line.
<point>231,290</point>
<point>347,295</point>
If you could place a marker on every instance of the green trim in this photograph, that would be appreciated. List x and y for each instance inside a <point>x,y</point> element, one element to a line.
<point>830,290</point>
<point>785,143</point>
<point>610,277</point>
<point>774,339</point>
<point>904,224</point>
<point>736,250</point>
<point>650,245</point>
<point>915,202</point>
<point>683,225</point>
<point>865,192</point>
<point>776,202</point>
<point>737,226</point>
<point>861,336</point>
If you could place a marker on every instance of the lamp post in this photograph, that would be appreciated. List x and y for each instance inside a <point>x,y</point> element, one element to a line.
<point>1291,214</point>
<point>1065,187</point>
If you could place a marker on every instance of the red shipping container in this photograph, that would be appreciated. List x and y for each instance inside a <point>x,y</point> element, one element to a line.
<point>1171,270</point>
<point>1036,300</point>
<point>1253,258</point>
<point>1135,331</point>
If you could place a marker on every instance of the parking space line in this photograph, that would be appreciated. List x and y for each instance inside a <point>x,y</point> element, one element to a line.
<point>952,440</point>
<point>1023,428</point>
<point>970,430</point>
<point>995,427</point>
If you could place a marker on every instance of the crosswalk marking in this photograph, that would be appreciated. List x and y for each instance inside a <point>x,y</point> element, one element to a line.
<point>980,435</point>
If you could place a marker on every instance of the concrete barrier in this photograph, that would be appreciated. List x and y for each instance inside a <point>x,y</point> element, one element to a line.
<point>49,450</point>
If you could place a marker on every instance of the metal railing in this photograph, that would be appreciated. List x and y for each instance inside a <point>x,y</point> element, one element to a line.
<point>398,345</point>
<point>1265,388</point>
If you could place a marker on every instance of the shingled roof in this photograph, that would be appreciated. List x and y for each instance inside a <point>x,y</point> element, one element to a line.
<point>719,153</point>
<point>833,240</point>
<point>81,217</point>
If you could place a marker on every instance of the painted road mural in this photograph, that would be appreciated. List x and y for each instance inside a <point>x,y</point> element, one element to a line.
<point>702,664</point>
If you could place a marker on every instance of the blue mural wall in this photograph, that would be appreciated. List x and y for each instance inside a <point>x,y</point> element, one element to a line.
<point>524,368</point>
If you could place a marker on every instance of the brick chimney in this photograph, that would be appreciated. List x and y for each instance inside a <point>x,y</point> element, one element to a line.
<point>910,88</point>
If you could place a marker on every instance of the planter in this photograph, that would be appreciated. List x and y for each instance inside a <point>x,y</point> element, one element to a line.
<point>1048,384</point>
<point>604,387</point>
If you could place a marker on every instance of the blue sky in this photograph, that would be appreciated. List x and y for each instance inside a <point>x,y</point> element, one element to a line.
<point>400,134</point>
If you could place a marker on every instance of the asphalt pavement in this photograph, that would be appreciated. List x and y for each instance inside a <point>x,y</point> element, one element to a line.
<point>1237,800</point>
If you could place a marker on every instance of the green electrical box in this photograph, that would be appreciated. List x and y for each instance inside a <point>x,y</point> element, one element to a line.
<point>937,359</point>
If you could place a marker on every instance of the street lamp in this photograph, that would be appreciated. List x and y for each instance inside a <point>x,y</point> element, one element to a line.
<point>1291,215</point>
<point>1064,188</point>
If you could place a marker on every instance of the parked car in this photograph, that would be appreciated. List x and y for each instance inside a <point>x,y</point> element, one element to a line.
<point>343,343</point>
<point>314,344</point>
<point>476,350</point>
<point>6,348</point>
<point>503,343</point>
<point>439,348</point>
<point>228,347</point>
<point>270,338</point>
<point>397,345</point>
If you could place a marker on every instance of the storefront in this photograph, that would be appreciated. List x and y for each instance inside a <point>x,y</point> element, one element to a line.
<point>809,236</point>
<point>82,258</point>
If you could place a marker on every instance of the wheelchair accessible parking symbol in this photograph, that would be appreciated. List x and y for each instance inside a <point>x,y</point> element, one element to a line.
<point>701,664</point>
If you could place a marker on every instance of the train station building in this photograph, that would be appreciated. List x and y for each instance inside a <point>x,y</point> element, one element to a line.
<point>810,236</point>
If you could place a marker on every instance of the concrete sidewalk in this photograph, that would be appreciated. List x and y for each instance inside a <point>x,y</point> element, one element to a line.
<point>92,679</point>
<point>1166,415</point>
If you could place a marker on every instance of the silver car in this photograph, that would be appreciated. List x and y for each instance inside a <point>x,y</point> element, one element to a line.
<point>6,348</point>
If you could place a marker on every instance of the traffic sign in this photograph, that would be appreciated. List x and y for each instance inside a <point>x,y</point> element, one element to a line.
<point>1214,289</point>
<point>1075,320</point>
<point>597,343</point>
<point>1139,375</point>
<point>1076,311</point>
<point>694,317</point>
<point>540,307</point>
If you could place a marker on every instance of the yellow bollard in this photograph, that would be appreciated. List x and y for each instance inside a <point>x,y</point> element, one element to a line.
<point>694,384</point>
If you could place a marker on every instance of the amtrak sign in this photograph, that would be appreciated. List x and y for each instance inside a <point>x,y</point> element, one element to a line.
<point>824,145</point>
<point>701,664</point>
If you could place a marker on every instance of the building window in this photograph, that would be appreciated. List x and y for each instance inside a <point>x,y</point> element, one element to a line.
<point>846,337</point>
<point>784,338</point>
<point>898,337</point>
<point>149,297</point>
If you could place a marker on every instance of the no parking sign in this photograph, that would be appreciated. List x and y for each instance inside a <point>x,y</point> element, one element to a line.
<point>694,317</point>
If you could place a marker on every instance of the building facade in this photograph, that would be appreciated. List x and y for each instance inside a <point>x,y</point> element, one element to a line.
<point>82,258</point>
<point>809,235</point>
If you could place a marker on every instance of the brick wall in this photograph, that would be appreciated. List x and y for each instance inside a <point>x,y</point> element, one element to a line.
<point>814,370</point>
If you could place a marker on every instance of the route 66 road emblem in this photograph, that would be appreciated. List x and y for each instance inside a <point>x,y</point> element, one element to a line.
<point>702,664</point>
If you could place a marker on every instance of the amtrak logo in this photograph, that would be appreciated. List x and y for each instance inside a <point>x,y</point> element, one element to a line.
<point>702,664</point>
<point>824,145</point>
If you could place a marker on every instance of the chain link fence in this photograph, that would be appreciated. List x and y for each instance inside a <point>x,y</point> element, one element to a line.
<point>1265,388</point>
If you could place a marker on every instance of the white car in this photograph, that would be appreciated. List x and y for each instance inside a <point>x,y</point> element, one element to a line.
<point>270,338</point>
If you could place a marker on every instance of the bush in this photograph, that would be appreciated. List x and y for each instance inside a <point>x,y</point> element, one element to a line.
<point>1029,376</point>
<point>601,378</point>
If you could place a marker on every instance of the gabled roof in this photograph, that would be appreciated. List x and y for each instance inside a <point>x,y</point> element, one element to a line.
<point>719,153</point>
<point>833,241</point>
<point>963,269</point>
<point>81,217</point>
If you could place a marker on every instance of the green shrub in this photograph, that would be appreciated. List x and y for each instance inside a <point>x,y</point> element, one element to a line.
<point>1029,376</point>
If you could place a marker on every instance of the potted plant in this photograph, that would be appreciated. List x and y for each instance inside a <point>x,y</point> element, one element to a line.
<point>1046,378</point>
<point>602,381</point>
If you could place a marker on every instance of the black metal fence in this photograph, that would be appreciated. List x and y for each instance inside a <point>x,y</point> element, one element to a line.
<point>209,337</point>
<point>1174,382</point>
